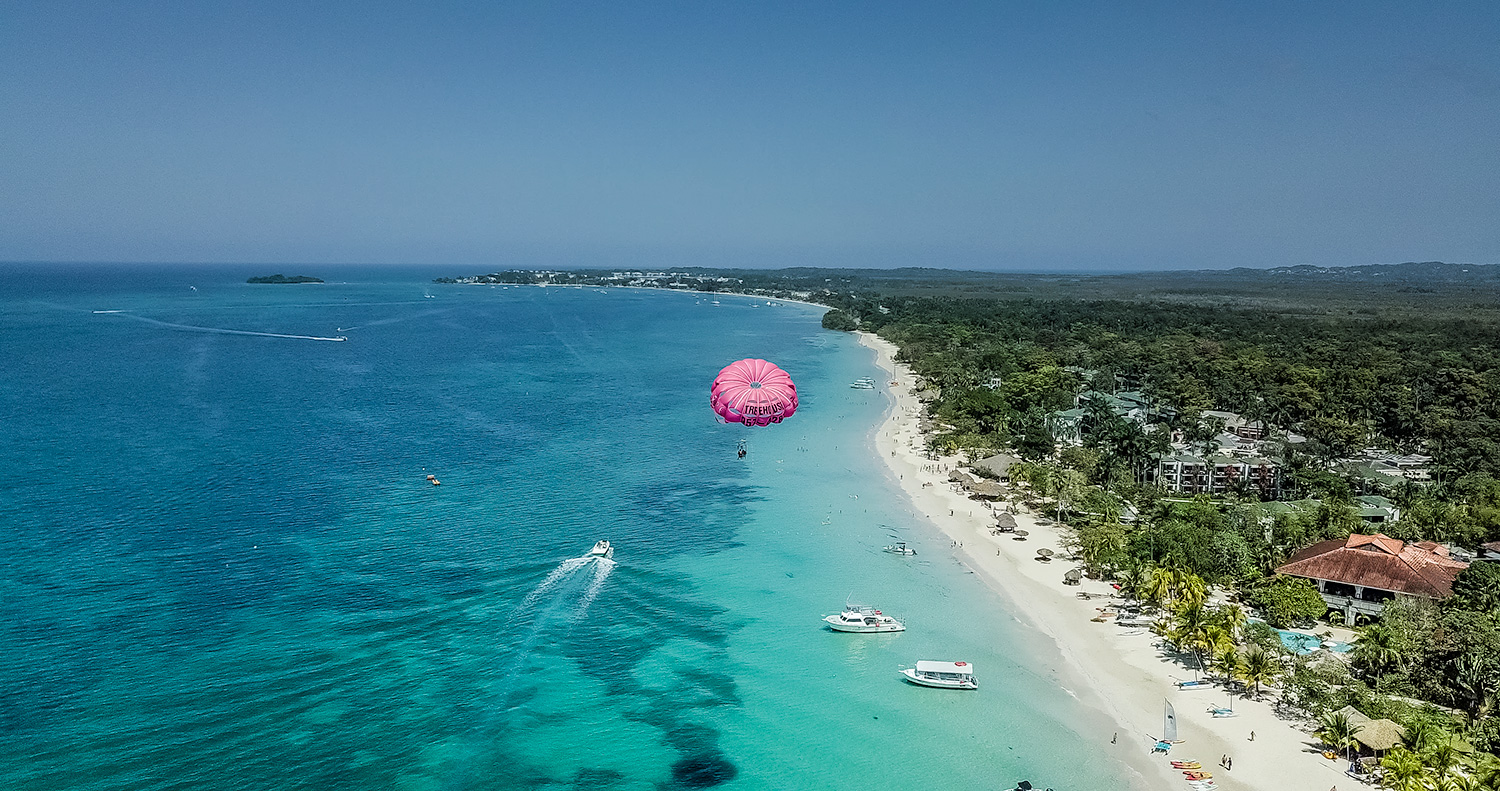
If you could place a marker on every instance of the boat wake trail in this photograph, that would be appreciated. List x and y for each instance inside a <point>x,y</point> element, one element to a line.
<point>565,595</point>
<point>602,568</point>
<point>220,330</point>
<point>564,570</point>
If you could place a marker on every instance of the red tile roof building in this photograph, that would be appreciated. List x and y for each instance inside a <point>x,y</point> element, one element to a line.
<point>1360,573</point>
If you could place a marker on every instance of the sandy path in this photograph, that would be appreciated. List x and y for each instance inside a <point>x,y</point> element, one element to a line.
<point>1119,670</point>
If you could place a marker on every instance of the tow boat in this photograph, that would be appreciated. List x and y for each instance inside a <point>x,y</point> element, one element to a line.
<point>601,550</point>
<point>900,549</point>
<point>943,675</point>
<point>857,618</point>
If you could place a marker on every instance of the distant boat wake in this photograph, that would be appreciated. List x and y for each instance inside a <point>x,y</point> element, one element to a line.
<point>220,330</point>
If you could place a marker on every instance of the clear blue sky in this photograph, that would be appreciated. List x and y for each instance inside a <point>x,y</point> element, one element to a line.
<point>994,135</point>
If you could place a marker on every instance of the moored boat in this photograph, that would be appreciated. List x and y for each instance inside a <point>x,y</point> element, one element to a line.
<point>943,675</point>
<point>856,618</point>
<point>900,548</point>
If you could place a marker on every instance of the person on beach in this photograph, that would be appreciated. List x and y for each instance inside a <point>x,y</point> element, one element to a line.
<point>1252,736</point>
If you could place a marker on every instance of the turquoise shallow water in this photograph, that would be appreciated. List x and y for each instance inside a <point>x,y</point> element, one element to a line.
<point>222,566</point>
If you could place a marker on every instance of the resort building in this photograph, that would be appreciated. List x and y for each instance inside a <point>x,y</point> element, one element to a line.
<point>1253,430</point>
<point>1067,425</point>
<point>1359,574</point>
<point>1184,473</point>
<point>1372,510</point>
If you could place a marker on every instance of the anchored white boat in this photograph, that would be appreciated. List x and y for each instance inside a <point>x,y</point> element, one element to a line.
<point>601,550</point>
<point>900,549</point>
<point>944,675</point>
<point>856,618</point>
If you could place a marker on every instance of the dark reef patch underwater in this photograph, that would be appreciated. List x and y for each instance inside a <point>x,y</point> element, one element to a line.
<point>703,771</point>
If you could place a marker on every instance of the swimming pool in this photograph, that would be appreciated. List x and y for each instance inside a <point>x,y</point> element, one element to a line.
<point>1299,643</point>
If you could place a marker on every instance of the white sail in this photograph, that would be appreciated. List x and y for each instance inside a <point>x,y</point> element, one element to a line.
<point>1169,729</point>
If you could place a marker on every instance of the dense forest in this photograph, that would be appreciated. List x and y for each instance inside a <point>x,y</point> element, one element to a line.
<point>1343,381</point>
<point>1405,383</point>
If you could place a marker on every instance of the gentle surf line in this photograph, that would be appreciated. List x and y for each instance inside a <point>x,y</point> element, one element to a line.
<point>221,330</point>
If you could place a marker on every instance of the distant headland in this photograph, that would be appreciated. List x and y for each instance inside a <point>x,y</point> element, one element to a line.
<point>284,279</point>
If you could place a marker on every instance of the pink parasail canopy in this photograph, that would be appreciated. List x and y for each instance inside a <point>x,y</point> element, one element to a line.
<point>753,392</point>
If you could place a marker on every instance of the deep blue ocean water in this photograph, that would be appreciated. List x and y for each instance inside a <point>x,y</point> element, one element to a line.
<point>222,567</point>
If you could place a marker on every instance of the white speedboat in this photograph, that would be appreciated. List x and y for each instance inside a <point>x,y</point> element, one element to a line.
<point>601,550</point>
<point>856,618</point>
<point>900,549</point>
<point>944,675</point>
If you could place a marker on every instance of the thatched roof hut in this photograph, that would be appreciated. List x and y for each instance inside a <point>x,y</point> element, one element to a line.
<point>1380,735</point>
<point>988,490</point>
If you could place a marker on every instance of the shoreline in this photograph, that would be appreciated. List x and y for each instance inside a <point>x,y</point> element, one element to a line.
<point>1116,670</point>
<point>584,286</point>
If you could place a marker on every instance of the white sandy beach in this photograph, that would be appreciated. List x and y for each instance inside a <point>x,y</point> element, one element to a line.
<point>1118,669</point>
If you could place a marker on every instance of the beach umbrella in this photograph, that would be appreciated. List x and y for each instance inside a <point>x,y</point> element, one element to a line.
<point>1021,535</point>
<point>753,392</point>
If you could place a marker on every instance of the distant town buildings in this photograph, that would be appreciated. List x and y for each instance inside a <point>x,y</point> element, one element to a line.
<point>1359,574</point>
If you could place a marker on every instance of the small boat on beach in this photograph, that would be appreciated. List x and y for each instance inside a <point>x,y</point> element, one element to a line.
<point>601,550</point>
<point>900,548</point>
<point>858,618</point>
<point>943,675</point>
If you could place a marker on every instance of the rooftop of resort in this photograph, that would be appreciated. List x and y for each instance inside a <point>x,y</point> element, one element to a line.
<point>1379,561</point>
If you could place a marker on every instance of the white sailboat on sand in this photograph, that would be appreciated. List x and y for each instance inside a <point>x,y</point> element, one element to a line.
<point>1168,729</point>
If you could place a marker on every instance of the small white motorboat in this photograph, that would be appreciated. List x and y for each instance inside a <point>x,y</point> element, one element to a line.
<point>943,675</point>
<point>857,618</point>
<point>900,549</point>
<point>601,550</point>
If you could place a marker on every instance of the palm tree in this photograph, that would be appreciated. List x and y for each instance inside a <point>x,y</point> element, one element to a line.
<point>1132,579</point>
<point>1260,668</point>
<point>1337,731</point>
<point>1403,770</point>
<point>1191,589</point>
<point>1230,664</point>
<point>1441,757</point>
<point>1158,586</point>
<point>1377,649</point>
<point>1472,678</point>
<point>1232,617</point>
<point>1190,630</point>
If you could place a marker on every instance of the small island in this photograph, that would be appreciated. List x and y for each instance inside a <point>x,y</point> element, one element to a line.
<point>284,279</point>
